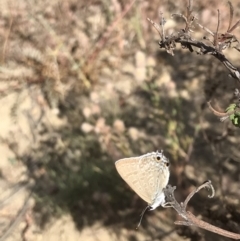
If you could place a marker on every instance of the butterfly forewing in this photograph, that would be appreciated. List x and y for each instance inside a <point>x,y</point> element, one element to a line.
<point>128,168</point>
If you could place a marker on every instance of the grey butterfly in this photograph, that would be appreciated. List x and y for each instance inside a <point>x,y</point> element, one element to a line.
<point>147,175</point>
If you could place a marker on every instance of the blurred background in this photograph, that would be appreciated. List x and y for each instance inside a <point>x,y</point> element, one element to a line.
<point>83,84</point>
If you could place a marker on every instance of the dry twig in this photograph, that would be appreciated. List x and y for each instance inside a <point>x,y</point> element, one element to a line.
<point>183,36</point>
<point>103,40</point>
<point>189,218</point>
<point>17,219</point>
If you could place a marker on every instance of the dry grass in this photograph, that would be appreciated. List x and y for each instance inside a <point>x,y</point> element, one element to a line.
<point>86,85</point>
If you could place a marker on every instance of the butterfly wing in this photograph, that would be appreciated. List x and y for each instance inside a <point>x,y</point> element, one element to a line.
<point>128,169</point>
<point>145,175</point>
<point>157,179</point>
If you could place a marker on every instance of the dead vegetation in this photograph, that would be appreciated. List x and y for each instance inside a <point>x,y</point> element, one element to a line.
<point>83,84</point>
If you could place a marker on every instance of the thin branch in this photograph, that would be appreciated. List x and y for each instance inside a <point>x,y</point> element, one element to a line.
<point>189,218</point>
<point>15,190</point>
<point>231,11</point>
<point>180,16</point>
<point>6,40</point>
<point>162,22</point>
<point>234,26</point>
<point>17,219</point>
<point>189,7</point>
<point>191,194</point>
<point>206,29</point>
<point>157,27</point>
<point>220,41</point>
<point>194,221</point>
<point>217,113</point>
<point>103,40</point>
<point>216,34</point>
<point>206,49</point>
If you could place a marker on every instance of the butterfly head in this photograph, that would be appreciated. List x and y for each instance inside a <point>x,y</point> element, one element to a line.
<point>160,158</point>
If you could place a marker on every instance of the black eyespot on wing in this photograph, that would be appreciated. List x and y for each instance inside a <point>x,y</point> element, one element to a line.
<point>167,164</point>
<point>158,158</point>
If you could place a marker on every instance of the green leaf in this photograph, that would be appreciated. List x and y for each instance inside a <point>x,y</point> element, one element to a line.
<point>231,107</point>
<point>232,117</point>
<point>236,121</point>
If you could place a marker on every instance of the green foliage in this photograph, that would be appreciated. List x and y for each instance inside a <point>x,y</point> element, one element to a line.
<point>234,116</point>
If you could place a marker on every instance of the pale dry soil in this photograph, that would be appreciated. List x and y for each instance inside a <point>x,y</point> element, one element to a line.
<point>141,101</point>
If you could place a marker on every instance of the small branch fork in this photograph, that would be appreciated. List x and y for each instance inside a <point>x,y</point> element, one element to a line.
<point>220,41</point>
<point>223,115</point>
<point>189,218</point>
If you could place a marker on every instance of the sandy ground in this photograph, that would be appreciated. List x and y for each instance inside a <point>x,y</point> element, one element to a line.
<point>83,83</point>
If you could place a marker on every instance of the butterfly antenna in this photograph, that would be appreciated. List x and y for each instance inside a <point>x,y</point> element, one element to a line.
<point>141,216</point>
